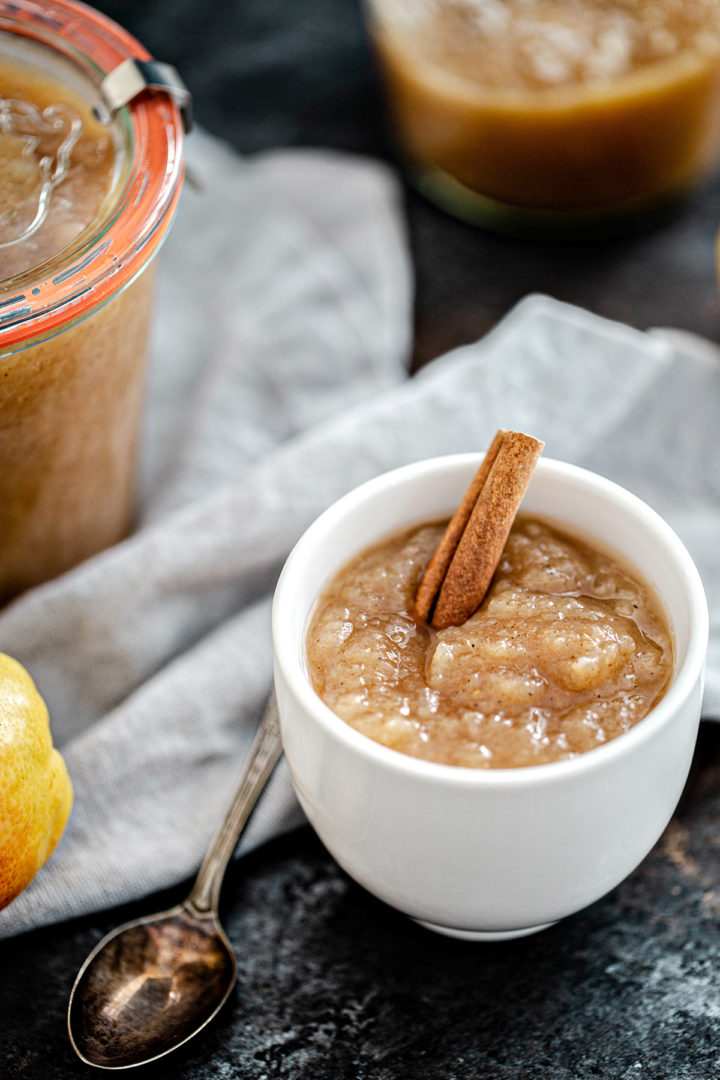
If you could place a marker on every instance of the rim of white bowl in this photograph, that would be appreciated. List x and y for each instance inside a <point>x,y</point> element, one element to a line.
<point>288,654</point>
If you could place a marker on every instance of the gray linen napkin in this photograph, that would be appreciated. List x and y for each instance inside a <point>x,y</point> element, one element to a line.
<point>155,656</point>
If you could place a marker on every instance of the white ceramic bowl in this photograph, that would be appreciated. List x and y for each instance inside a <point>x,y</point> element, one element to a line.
<point>488,853</point>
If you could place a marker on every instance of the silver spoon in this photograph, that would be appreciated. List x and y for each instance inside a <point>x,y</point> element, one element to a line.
<point>152,984</point>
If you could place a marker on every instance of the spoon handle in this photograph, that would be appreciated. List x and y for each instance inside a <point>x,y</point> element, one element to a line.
<point>264,753</point>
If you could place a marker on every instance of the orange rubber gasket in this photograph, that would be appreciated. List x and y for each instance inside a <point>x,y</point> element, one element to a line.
<point>69,286</point>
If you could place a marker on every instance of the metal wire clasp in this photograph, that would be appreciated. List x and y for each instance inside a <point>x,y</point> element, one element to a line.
<point>134,77</point>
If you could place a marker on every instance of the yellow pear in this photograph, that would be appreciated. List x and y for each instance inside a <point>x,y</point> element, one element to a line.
<point>35,790</point>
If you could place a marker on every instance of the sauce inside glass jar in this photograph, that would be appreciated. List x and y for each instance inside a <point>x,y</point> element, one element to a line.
<point>552,106</point>
<point>84,207</point>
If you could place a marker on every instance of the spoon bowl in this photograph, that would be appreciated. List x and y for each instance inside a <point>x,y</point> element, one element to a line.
<point>148,987</point>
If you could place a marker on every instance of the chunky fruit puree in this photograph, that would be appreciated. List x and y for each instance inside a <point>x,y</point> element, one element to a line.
<point>569,649</point>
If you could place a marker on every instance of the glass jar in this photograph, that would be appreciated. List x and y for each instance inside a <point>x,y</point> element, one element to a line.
<point>76,294</point>
<point>552,112</point>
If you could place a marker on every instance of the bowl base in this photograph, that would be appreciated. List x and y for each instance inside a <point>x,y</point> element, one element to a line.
<point>571,223</point>
<point>483,935</point>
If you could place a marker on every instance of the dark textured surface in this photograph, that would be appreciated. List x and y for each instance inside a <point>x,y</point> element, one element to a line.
<point>333,984</point>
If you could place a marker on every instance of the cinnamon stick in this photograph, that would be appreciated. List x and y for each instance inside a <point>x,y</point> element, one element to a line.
<point>437,568</point>
<point>459,574</point>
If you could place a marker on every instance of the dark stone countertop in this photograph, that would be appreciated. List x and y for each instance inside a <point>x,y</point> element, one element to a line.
<point>332,983</point>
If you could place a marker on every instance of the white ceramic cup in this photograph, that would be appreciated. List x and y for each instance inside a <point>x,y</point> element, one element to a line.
<point>493,853</point>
